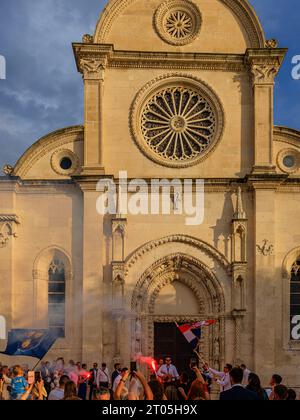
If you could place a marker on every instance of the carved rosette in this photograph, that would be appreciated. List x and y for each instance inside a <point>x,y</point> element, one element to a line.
<point>8,228</point>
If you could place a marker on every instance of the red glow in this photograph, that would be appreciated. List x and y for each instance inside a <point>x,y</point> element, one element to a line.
<point>148,361</point>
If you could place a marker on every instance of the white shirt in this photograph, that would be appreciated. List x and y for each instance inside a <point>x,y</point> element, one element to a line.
<point>56,395</point>
<point>102,376</point>
<point>168,370</point>
<point>224,381</point>
<point>246,376</point>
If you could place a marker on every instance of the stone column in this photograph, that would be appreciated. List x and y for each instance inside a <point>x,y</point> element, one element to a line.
<point>93,302</point>
<point>93,73</point>
<point>264,65</point>
<point>264,281</point>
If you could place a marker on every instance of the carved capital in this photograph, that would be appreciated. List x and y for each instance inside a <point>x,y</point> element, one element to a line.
<point>93,69</point>
<point>264,73</point>
<point>8,227</point>
<point>264,64</point>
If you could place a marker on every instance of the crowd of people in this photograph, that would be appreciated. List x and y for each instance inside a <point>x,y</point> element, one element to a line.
<point>73,381</point>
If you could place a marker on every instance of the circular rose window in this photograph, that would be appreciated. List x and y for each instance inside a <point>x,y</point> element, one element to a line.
<point>178,22</point>
<point>177,122</point>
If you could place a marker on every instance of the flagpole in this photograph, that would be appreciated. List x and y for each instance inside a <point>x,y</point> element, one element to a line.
<point>37,364</point>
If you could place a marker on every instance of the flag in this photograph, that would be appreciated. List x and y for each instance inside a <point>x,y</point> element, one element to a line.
<point>32,343</point>
<point>188,334</point>
<point>201,324</point>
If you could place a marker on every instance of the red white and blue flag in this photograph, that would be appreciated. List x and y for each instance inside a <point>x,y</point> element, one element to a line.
<point>189,334</point>
<point>192,332</point>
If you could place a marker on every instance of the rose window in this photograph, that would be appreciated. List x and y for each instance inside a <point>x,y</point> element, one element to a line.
<point>178,22</point>
<point>178,124</point>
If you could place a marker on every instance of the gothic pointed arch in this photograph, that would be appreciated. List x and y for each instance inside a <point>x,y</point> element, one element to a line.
<point>52,280</point>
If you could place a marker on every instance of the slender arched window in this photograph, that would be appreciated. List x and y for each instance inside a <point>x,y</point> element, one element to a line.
<point>295,291</point>
<point>57,297</point>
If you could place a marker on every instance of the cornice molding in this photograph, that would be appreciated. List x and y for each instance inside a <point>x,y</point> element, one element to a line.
<point>104,56</point>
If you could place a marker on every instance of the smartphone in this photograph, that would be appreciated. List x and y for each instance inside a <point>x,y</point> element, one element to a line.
<point>37,376</point>
<point>31,377</point>
<point>1,376</point>
<point>133,367</point>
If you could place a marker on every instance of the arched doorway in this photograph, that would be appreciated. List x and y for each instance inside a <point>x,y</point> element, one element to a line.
<point>177,288</point>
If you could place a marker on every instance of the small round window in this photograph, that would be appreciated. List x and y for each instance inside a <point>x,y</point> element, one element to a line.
<point>289,161</point>
<point>66,163</point>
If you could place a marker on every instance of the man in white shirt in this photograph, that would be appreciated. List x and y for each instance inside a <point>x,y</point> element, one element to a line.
<point>224,381</point>
<point>246,374</point>
<point>103,377</point>
<point>168,372</point>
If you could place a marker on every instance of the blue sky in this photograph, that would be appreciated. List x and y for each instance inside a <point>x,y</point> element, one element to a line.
<point>43,90</point>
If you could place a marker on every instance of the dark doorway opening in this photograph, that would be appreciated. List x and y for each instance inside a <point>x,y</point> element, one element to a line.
<point>168,341</point>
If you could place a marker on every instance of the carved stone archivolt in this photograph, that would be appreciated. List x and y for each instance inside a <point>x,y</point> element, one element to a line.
<point>177,120</point>
<point>8,228</point>
<point>197,277</point>
<point>178,22</point>
<point>189,240</point>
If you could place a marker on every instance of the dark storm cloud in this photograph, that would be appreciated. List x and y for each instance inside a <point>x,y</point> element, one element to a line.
<point>43,90</point>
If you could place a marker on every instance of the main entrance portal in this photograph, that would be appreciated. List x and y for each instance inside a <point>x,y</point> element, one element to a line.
<point>177,288</point>
<point>168,341</point>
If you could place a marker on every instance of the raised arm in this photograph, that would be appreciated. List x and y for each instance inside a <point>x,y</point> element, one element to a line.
<point>147,389</point>
<point>120,387</point>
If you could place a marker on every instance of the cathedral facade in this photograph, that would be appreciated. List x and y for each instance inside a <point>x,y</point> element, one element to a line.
<point>173,89</point>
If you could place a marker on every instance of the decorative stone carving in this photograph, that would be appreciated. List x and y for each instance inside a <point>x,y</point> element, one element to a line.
<point>8,169</point>
<point>265,249</point>
<point>271,43</point>
<point>178,22</point>
<point>177,120</point>
<point>264,73</point>
<point>87,39</point>
<point>93,68</point>
<point>118,238</point>
<point>8,227</point>
<point>189,271</point>
<point>197,243</point>
<point>239,213</point>
<point>118,272</point>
